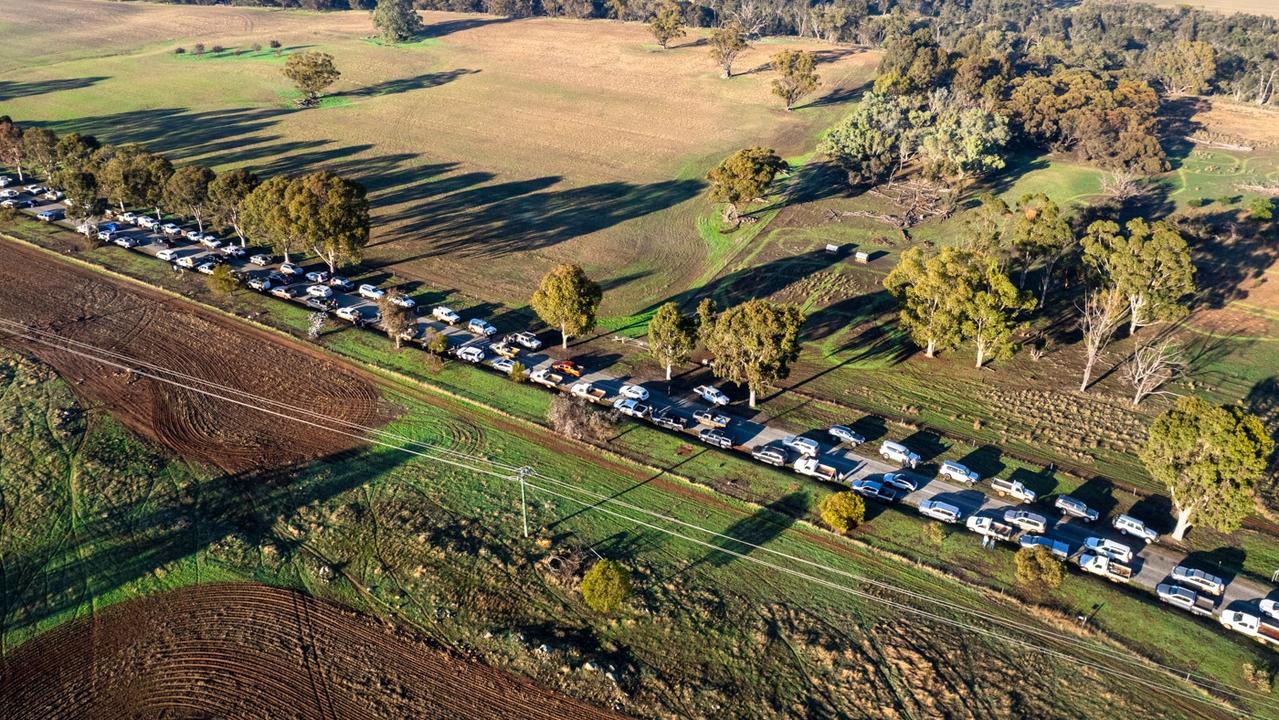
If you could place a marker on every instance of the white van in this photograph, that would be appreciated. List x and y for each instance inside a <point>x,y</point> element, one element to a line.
<point>898,453</point>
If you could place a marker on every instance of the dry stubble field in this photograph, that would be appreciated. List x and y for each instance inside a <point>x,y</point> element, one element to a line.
<point>493,148</point>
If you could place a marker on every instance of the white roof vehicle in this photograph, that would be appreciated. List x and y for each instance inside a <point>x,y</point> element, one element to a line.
<point>1184,598</point>
<point>634,392</point>
<point>206,267</point>
<point>187,261</point>
<point>1075,508</point>
<point>289,268</point>
<point>938,510</point>
<point>193,235</point>
<point>898,453</point>
<point>711,394</point>
<point>1026,520</point>
<point>801,445</point>
<point>146,221</point>
<point>129,217</point>
<point>959,473</point>
<point>260,284</point>
<point>527,339</point>
<point>170,229</point>
<point>901,481</point>
<point>1199,580</point>
<point>167,255</point>
<point>1109,548</point>
<point>1270,606</point>
<point>372,292</point>
<point>471,354</point>
<point>1130,525</point>
<point>347,313</point>
<point>320,291</point>
<point>260,259</point>
<point>318,276</point>
<point>480,326</point>
<point>403,301</point>
<point>1014,488</point>
<point>444,314</point>
<point>845,434</point>
<point>503,364</point>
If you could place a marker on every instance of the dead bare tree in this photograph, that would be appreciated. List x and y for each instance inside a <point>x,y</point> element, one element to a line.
<point>1153,365</point>
<point>1122,185</point>
<point>1102,313</point>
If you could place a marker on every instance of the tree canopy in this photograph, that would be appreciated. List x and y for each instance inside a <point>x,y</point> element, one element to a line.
<point>567,299</point>
<point>606,586</point>
<point>1149,263</point>
<point>330,215</point>
<point>667,24</point>
<point>796,75</point>
<point>743,177</point>
<point>267,218</point>
<point>311,72</point>
<point>396,20</point>
<point>754,343</point>
<point>1210,459</point>
<point>727,42</point>
<point>672,336</point>
<point>227,194</point>
<point>188,189</point>
<point>842,511</point>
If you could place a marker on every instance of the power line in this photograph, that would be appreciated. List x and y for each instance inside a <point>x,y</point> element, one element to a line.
<point>506,474</point>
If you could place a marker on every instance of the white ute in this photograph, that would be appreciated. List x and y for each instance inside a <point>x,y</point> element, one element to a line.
<point>1255,626</point>
<point>711,394</point>
<point>1026,520</point>
<point>898,453</point>
<point>1185,598</point>
<point>445,315</point>
<point>1014,489</point>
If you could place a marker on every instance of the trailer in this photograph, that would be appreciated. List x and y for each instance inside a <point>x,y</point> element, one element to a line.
<point>544,376</point>
<point>1111,569</point>
<point>813,467</point>
<point>992,528</point>
<point>588,391</point>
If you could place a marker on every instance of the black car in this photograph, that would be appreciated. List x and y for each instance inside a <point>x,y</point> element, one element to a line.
<point>878,490</point>
<point>277,278</point>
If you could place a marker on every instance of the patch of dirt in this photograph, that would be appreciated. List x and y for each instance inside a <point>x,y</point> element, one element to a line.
<point>41,292</point>
<point>235,650</point>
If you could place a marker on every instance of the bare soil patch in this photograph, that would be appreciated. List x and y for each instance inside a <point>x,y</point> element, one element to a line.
<point>236,650</point>
<point>60,298</point>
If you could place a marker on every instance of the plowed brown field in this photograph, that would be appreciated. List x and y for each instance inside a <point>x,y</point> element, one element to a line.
<point>235,650</point>
<point>60,298</point>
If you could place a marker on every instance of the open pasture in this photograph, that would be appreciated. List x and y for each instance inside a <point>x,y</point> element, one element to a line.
<point>492,148</point>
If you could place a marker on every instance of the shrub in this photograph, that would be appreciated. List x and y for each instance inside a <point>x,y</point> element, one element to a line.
<point>1261,209</point>
<point>933,533</point>
<point>179,50</point>
<point>222,281</point>
<point>606,586</point>
<point>217,49</point>
<point>198,49</point>
<point>8,214</point>
<point>1037,569</point>
<point>275,44</point>
<point>518,372</point>
<point>238,52</point>
<point>435,342</point>
<point>257,47</point>
<point>432,363</point>
<point>842,511</point>
<point>579,419</point>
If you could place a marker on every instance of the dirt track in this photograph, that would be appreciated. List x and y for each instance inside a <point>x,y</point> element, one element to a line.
<point>250,651</point>
<point>39,291</point>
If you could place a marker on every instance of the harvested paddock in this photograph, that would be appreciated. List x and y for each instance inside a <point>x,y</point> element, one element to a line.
<point>84,306</point>
<point>240,650</point>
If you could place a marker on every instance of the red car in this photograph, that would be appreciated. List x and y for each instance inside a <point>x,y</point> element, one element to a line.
<point>568,367</point>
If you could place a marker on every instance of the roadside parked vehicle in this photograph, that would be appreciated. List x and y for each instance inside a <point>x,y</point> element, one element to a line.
<point>234,251</point>
<point>801,444</point>
<point>635,392</point>
<point>445,315</point>
<point>1198,580</point>
<point>711,418</point>
<point>900,481</point>
<point>503,364</point>
<point>1130,525</point>
<point>877,490</point>
<point>845,434</point>
<point>289,268</point>
<point>471,354</point>
<point>769,455</point>
<point>568,367</point>
<point>170,229</point>
<point>206,268</point>
<point>716,438</point>
<point>588,391</point>
<point>167,255</point>
<point>813,466</point>
<point>340,283</point>
<point>127,242</point>
<point>991,527</point>
<point>348,314</point>
<point>259,284</point>
<point>669,419</point>
<point>146,222</point>
<point>371,292</point>
<point>404,301</point>
<point>480,327</point>
<point>1109,548</point>
<point>318,276</point>
<point>898,453</point>
<point>1005,487</point>
<point>285,293</point>
<point>1105,566</point>
<point>1259,627</point>
<point>320,291</point>
<point>131,218</point>
<point>1026,520</point>
<point>938,510</point>
<point>1185,598</point>
<point>48,215</point>
<point>631,407</point>
<point>260,259</point>
<point>952,470</point>
<point>711,394</point>
<point>186,261</point>
<point>527,339</point>
<point>1075,508</point>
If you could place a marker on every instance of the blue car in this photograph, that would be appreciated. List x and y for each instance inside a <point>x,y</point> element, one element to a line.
<point>48,215</point>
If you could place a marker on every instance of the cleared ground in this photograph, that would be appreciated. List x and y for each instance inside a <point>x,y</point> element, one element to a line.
<point>1252,7</point>
<point>231,650</point>
<point>78,305</point>
<point>493,148</point>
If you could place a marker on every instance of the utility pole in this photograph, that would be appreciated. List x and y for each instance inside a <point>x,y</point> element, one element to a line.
<point>523,473</point>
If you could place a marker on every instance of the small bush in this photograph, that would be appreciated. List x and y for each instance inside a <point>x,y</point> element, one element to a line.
<point>434,342</point>
<point>933,533</point>
<point>842,511</point>
<point>275,44</point>
<point>1037,569</point>
<point>606,586</point>
<point>198,49</point>
<point>257,47</point>
<point>222,281</point>
<point>238,52</point>
<point>1261,209</point>
<point>518,372</point>
<point>432,363</point>
<point>217,49</point>
<point>579,419</point>
<point>179,50</point>
<point>8,214</point>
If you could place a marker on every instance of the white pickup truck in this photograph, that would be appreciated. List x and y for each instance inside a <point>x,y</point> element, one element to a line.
<point>811,466</point>
<point>1185,598</point>
<point>545,376</point>
<point>990,527</point>
<point>1111,569</point>
<point>1260,627</point>
<point>1014,489</point>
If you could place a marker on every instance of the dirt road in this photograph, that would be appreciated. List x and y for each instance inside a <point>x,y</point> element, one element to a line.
<point>41,292</point>
<point>236,650</point>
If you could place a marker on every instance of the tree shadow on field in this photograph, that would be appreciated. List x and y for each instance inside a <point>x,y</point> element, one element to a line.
<point>128,543</point>
<point>756,529</point>
<point>1227,257</point>
<point>401,85</point>
<point>448,27</point>
<point>12,90</point>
